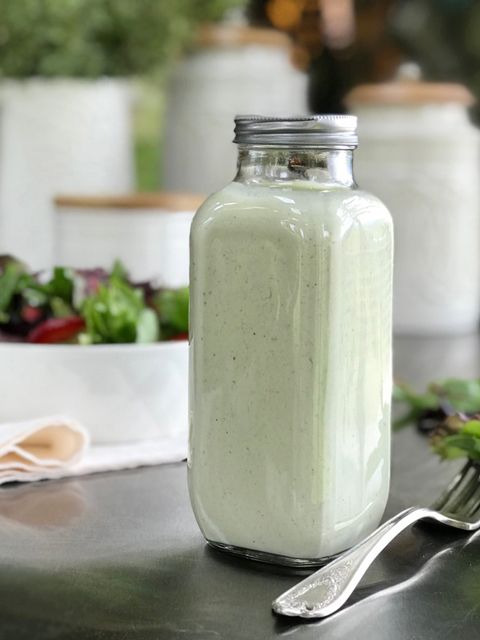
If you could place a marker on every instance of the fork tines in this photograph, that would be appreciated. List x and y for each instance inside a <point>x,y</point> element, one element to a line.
<point>461,499</point>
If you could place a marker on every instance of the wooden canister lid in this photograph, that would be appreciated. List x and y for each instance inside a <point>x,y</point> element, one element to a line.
<point>169,201</point>
<point>224,35</point>
<point>409,89</point>
<point>409,93</point>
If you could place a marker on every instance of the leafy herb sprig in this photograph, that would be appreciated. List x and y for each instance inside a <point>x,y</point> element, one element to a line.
<point>449,412</point>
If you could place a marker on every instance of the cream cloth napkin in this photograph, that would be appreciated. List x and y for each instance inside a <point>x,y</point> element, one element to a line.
<point>58,446</point>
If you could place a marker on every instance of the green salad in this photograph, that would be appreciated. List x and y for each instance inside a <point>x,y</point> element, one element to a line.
<point>87,306</point>
<point>449,412</point>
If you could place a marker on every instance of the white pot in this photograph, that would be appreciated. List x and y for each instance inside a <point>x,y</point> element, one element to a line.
<point>149,233</point>
<point>236,70</point>
<point>58,135</point>
<point>119,393</point>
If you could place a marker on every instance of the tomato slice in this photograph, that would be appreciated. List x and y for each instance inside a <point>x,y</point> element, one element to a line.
<point>55,330</point>
<point>180,336</point>
<point>31,314</point>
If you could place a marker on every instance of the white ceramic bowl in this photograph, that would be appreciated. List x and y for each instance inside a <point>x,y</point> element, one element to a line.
<point>120,393</point>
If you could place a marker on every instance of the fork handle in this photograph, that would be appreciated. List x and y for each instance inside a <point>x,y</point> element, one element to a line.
<point>326,590</point>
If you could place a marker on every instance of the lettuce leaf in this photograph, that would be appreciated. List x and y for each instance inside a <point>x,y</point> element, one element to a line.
<point>117,313</point>
<point>172,308</point>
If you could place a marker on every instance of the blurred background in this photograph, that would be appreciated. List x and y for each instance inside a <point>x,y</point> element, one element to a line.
<point>103,99</point>
<point>116,121</point>
<point>336,43</point>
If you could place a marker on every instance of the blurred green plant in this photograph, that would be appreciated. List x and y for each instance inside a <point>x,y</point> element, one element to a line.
<point>93,38</point>
<point>148,124</point>
<point>448,411</point>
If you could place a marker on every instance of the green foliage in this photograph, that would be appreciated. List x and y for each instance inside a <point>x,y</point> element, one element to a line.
<point>15,281</point>
<point>449,411</point>
<point>464,443</point>
<point>172,309</point>
<point>459,395</point>
<point>117,314</point>
<point>112,308</point>
<point>60,285</point>
<point>9,280</point>
<point>416,404</point>
<point>93,38</point>
<point>462,395</point>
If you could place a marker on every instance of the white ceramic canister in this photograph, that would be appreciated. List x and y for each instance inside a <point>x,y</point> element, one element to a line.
<point>419,153</point>
<point>147,232</point>
<point>235,69</point>
<point>58,135</point>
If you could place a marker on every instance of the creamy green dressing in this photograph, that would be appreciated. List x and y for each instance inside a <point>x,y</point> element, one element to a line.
<point>290,367</point>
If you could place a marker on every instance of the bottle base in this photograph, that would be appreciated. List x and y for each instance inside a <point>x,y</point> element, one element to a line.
<point>271,558</point>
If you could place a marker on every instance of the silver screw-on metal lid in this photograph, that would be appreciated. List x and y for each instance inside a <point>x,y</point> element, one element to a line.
<point>330,131</point>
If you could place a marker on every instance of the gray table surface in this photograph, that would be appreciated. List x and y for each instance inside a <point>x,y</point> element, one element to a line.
<point>119,556</point>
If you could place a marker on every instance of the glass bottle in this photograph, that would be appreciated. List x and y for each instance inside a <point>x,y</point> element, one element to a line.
<point>290,370</point>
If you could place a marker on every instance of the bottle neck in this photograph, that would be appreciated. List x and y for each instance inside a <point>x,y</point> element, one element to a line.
<point>261,164</point>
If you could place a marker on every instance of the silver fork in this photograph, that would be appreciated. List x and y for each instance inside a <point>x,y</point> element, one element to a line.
<point>326,590</point>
